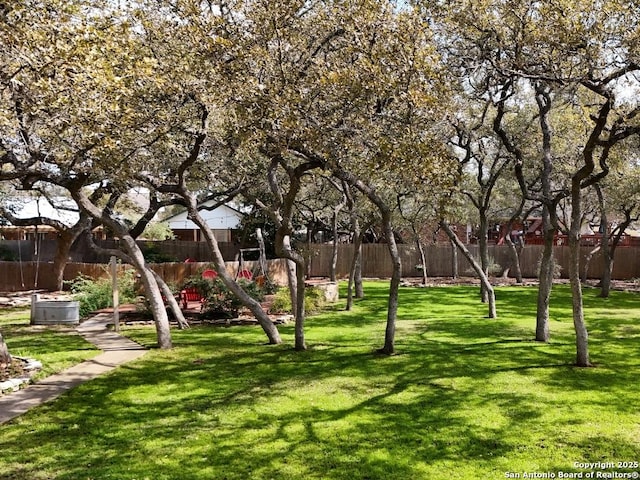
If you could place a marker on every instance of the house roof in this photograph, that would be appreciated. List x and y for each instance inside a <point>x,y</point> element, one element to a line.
<point>221,218</point>
<point>63,209</point>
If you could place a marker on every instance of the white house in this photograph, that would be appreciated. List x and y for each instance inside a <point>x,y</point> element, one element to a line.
<point>222,220</point>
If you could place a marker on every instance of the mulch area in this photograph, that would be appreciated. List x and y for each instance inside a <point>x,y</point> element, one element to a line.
<point>15,369</point>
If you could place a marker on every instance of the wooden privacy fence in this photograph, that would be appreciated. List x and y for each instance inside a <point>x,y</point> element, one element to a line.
<point>16,276</point>
<point>174,250</point>
<point>377,264</point>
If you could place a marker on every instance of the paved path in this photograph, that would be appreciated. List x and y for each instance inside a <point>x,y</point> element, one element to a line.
<point>116,351</point>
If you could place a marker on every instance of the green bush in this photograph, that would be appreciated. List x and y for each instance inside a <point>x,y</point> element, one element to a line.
<point>96,294</point>
<point>314,301</point>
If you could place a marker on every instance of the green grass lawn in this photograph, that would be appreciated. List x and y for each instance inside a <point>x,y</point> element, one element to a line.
<point>464,398</point>
<point>57,347</point>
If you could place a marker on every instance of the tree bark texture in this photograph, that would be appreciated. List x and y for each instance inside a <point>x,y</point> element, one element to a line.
<point>483,244</point>
<point>296,272</point>
<point>454,260</point>
<point>423,259</point>
<point>152,290</point>
<point>491,298</point>
<point>355,263</point>
<point>545,280</point>
<point>582,337</point>
<point>171,300</point>
<point>515,258</point>
<point>5,357</point>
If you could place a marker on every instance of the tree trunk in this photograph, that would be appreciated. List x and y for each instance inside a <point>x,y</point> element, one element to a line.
<point>515,258</point>
<point>379,202</point>
<point>607,270</point>
<point>545,280</point>
<point>292,281</point>
<point>61,257</point>
<point>300,342</point>
<point>423,259</point>
<point>582,337</point>
<point>357,279</point>
<point>5,357</point>
<point>587,263</point>
<point>483,246</point>
<point>171,300</point>
<point>296,275</point>
<point>253,305</point>
<point>454,261</point>
<point>355,262</point>
<point>334,252</point>
<point>263,255</point>
<point>491,298</point>
<point>134,253</point>
<point>607,250</point>
<point>394,286</point>
<point>152,290</point>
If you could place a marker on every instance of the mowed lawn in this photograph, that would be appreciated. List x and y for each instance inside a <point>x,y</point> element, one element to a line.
<point>465,397</point>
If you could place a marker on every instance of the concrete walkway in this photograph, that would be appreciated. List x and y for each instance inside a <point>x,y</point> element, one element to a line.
<point>116,351</point>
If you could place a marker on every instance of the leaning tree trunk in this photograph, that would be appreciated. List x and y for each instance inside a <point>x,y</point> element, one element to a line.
<point>515,258</point>
<point>5,357</point>
<point>132,250</point>
<point>253,305</point>
<point>491,298</point>
<point>587,263</point>
<point>171,300</point>
<point>154,297</point>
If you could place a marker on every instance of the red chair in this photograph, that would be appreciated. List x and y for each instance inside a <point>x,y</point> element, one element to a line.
<point>209,274</point>
<point>246,274</point>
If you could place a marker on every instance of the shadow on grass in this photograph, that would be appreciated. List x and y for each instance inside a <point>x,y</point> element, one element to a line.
<point>463,391</point>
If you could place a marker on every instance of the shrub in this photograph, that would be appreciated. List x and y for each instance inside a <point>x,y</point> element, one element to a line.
<point>220,301</point>
<point>314,301</point>
<point>97,294</point>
